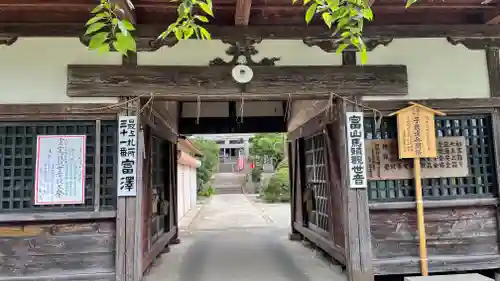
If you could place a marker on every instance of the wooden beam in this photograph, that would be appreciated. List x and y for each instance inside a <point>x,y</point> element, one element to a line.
<point>445,105</point>
<point>242,13</point>
<point>151,32</point>
<point>493,65</point>
<point>184,83</point>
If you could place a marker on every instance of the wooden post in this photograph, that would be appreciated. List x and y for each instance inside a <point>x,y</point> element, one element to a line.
<point>417,139</point>
<point>128,225</point>
<point>420,218</point>
<point>358,247</point>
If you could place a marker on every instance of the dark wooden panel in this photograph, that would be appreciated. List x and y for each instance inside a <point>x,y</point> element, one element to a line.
<point>212,83</point>
<point>45,245</point>
<point>411,265</point>
<point>33,217</point>
<point>54,249</point>
<point>281,31</point>
<point>224,125</point>
<point>56,264</point>
<point>110,276</point>
<point>462,230</point>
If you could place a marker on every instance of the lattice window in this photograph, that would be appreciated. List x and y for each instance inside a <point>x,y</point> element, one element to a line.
<point>477,130</point>
<point>18,157</point>
<point>159,196</point>
<point>316,178</point>
<point>109,160</point>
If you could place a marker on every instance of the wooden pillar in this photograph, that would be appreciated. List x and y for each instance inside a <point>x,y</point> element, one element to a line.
<point>128,213</point>
<point>358,249</point>
<point>292,176</point>
<point>493,64</point>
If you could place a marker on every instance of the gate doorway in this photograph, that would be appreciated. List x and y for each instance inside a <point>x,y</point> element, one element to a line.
<point>235,230</point>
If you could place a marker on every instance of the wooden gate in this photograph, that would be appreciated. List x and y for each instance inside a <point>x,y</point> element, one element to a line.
<point>159,208</point>
<point>317,194</point>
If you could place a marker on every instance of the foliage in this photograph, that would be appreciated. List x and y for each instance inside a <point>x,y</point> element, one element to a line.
<point>207,191</point>
<point>282,164</point>
<point>186,24</point>
<point>107,30</point>
<point>267,145</point>
<point>345,17</point>
<point>278,187</point>
<point>210,159</point>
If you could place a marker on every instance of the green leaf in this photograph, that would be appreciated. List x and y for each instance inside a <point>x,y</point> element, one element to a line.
<point>94,27</point>
<point>306,1</point>
<point>327,18</point>
<point>181,10</point>
<point>115,21</point>
<point>120,48</point>
<point>129,26</point>
<point>122,28</point>
<point>126,41</point>
<point>201,18</point>
<point>206,8</point>
<point>310,12</point>
<point>94,20</point>
<point>409,3</point>
<point>188,32</point>
<point>96,41</point>
<point>103,48</point>
<point>178,34</point>
<point>294,1</point>
<point>363,55</point>
<point>341,48</point>
<point>368,14</point>
<point>204,33</point>
<point>97,9</point>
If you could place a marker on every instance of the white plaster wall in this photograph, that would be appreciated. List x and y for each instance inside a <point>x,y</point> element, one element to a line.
<point>33,70</point>
<point>200,52</point>
<point>186,192</point>
<point>436,70</point>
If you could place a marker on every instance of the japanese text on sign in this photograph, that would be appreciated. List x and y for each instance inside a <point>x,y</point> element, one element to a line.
<point>127,156</point>
<point>416,132</point>
<point>356,150</point>
<point>60,170</point>
<point>384,163</point>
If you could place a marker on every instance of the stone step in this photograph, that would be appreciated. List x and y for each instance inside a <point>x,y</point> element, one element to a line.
<point>228,190</point>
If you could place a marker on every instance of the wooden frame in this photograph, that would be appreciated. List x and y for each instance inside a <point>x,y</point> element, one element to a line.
<point>39,226</point>
<point>184,83</point>
<point>361,265</point>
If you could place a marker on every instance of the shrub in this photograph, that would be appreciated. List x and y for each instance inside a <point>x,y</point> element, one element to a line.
<point>209,161</point>
<point>207,192</point>
<point>278,187</point>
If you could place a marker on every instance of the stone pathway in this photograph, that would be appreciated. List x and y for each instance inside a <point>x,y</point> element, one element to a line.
<point>235,238</point>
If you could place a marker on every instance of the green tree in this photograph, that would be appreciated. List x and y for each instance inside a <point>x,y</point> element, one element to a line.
<point>267,145</point>
<point>277,188</point>
<point>210,159</point>
<point>345,19</point>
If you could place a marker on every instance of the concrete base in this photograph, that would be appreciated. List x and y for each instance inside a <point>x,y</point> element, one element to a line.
<point>452,277</point>
<point>175,241</point>
<point>293,236</point>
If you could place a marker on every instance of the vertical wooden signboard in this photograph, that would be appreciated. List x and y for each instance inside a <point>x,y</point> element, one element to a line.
<point>417,139</point>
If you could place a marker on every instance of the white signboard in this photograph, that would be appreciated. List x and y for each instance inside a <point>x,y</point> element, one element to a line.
<point>127,156</point>
<point>60,170</point>
<point>356,150</point>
